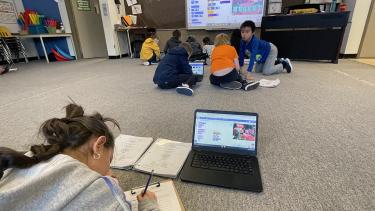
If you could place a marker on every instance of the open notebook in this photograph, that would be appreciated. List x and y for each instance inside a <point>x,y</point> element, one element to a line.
<point>164,156</point>
<point>128,149</point>
<point>165,192</point>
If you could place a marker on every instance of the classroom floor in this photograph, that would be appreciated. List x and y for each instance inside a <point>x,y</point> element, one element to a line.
<point>316,136</point>
<point>366,61</point>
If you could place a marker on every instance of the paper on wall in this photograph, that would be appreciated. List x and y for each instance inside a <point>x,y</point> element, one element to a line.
<point>136,9</point>
<point>131,2</point>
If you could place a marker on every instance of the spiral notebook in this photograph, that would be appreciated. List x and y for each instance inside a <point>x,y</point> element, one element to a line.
<point>165,157</point>
<point>165,191</point>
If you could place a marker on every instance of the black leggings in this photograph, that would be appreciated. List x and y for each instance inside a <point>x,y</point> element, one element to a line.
<point>153,58</point>
<point>191,80</point>
<point>231,76</point>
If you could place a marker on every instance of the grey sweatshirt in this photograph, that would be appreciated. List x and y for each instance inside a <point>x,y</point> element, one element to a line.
<point>62,183</point>
<point>171,43</point>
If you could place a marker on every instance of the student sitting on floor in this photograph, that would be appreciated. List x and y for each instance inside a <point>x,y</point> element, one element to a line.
<point>262,52</point>
<point>71,172</point>
<point>174,41</point>
<point>225,66</point>
<point>174,71</point>
<point>150,52</point>
<point>197,50</point>
<point>207,46</point>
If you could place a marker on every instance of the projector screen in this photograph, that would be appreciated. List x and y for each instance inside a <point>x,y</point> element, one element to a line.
<point>222,14</point>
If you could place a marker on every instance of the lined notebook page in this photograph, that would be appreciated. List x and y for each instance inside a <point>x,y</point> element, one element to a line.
<point>165,157</point>
<point>166,194</point>
<point>128,149</point>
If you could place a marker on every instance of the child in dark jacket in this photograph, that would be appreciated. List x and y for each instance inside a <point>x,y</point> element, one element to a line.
<point>174,71</point>
<point>197,50</point>
<point>262,52</point>
<point>174,41</point>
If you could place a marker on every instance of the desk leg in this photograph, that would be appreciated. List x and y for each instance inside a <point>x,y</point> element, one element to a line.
<point>37,53</point>
<point>129,44</point>
<point>44,49</point>
<point>118,44</point>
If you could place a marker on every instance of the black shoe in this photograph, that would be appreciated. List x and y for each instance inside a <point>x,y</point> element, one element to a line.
<point>234,85</point>
<point>279,61</point>
<point>251,86</point>
<point>185,90</point>
<point>288,65</point>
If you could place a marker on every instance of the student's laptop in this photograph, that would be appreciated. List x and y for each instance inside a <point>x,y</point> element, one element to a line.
<point>224,150</point>
<point>198,69</point>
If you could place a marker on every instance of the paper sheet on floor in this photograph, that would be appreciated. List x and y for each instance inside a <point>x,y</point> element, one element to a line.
<point>269,83</point>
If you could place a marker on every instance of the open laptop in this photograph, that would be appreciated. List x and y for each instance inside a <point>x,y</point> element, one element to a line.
<point>198,69</point>
<point>224,150</point>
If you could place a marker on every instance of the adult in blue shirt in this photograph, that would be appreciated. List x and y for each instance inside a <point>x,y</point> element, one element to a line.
<point>263,53</point>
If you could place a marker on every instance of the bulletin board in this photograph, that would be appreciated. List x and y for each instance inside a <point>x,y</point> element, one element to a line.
<point>160,14</point>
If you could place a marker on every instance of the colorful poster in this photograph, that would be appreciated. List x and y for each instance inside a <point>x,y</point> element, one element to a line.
<point>247,7</point>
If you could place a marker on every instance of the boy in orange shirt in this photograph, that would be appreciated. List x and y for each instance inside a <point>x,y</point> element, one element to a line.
<point>225,66</point>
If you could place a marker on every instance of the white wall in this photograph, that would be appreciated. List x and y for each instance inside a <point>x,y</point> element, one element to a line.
<point>356,26</point>
<point>368,42</point>
<point>66,23</point>
<point>110,18</point>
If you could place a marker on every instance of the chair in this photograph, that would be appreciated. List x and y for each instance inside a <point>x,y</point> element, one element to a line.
<point>13,45</point>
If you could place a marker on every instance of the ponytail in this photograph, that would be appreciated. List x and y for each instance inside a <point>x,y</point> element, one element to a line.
<point>70,132</point>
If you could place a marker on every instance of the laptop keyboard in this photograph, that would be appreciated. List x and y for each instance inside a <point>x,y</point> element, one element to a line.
<point>222,163</point>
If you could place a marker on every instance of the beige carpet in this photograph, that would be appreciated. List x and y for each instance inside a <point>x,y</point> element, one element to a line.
<point>316,135</point>
<point>366,61</point>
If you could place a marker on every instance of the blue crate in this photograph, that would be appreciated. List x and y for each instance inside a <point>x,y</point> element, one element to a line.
<point>37,29</point>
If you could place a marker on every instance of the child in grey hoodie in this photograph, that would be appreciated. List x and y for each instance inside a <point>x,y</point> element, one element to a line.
<point>70,173</point>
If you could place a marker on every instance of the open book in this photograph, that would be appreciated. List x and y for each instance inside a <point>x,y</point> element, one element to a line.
<point>165,192</point>
<point>164,156</point>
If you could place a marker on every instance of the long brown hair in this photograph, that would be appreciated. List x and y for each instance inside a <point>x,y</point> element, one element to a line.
<point>72,131</point>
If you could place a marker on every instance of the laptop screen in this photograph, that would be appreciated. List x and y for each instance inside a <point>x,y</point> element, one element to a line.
<point>197,68</point>
<point>227,131</point>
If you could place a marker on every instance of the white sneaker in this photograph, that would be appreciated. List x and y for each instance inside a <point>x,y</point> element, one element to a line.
<point>146,63</point>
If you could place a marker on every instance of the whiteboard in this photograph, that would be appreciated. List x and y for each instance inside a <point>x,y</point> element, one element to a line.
<point>223,14</point>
